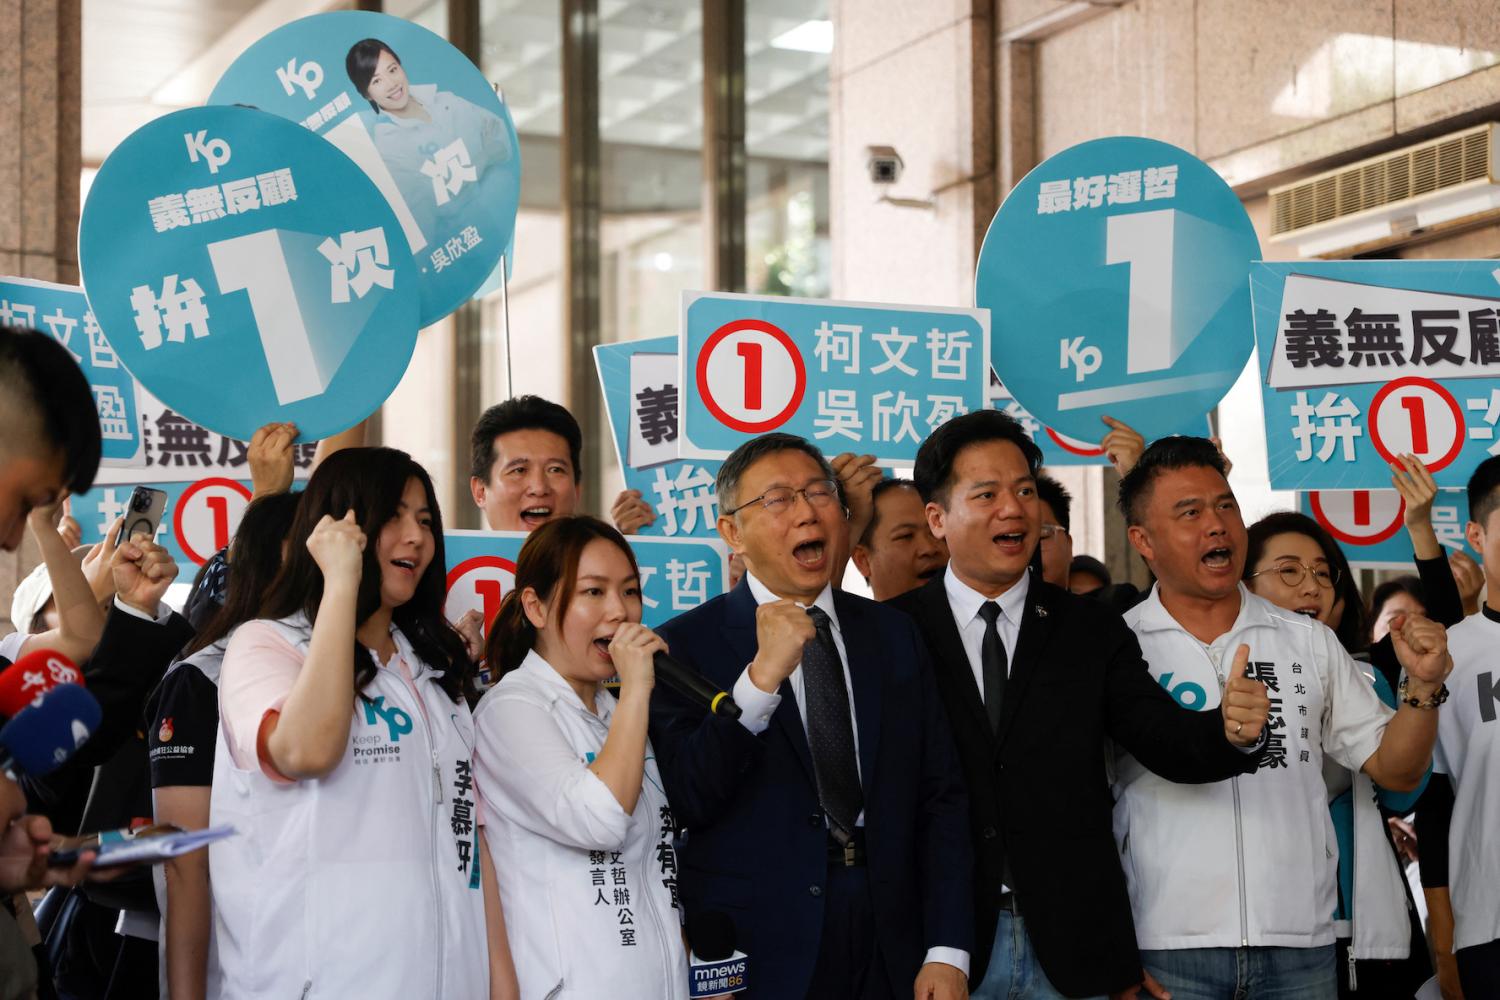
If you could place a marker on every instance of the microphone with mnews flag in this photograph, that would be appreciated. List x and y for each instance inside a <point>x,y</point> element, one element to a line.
<point>24,682</point>
<point>694,686</point>
<point>715,969</point>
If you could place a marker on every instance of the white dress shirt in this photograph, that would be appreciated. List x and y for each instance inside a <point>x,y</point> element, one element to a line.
<point>965,603</point>
<point>757,706</point>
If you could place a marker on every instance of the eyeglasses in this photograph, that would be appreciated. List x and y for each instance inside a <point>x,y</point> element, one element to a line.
<point>779,499</point>
<point>1050,530</point>
<point>1293,573</point>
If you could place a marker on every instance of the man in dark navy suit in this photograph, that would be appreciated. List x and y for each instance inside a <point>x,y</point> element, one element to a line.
<point>829,822</point>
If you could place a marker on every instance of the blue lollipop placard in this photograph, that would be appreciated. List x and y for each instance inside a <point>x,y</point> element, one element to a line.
<point>417,117</point>
<point>245,271</point>
<point>1116,275</point>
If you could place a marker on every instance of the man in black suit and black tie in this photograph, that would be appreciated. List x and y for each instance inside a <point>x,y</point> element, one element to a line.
<point>1037,683</point>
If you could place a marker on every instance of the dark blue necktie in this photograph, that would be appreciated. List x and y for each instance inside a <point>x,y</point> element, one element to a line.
<point>830,729</point>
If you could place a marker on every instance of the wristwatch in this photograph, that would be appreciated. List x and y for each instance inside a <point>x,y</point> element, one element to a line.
<point>1434,700</point>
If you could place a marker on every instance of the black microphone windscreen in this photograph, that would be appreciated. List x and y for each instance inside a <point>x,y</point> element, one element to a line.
<point>710,935</point>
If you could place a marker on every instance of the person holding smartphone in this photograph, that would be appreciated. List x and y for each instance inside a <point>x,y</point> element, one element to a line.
<point>575,813</point>
<point>345,761</point>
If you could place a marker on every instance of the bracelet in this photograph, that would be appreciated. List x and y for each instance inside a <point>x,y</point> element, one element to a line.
<point>1434,700</point>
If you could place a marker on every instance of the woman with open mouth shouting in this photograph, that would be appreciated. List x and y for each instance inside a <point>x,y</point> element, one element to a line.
<point>1295,564</point>
<point>345,760</point>
<point>575,815</point>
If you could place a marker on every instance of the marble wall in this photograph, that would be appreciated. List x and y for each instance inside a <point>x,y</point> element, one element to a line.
<point>973,93</point>
<point>1266,90</point>
<point>918,77</point>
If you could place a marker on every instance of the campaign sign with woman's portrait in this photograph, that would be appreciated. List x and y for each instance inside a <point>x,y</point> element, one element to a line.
<point>417,116</point>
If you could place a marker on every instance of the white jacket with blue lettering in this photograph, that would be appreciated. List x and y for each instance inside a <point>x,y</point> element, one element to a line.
<point>589,890</point>
<point>364,883</point>
<point>1248,862</point>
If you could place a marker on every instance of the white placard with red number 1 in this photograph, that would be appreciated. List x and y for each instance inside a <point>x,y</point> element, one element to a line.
<point>1364,361</point>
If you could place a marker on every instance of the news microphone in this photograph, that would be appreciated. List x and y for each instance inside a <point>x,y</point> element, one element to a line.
<point>43,736</point>
<point>714,968</point>
<point>24,682</point>
<point>694,686</point>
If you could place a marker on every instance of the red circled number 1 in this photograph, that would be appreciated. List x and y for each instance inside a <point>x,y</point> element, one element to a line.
<point>489,592</point>
<point>1418,416</point>
<point>751,352</point>
<point>219,508</point>
<point>1362,508</point>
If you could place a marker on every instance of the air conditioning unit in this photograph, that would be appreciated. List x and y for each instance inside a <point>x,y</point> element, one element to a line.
<point>1434,186</point>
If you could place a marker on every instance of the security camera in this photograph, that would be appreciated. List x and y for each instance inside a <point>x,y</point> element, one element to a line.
<point>884,164</point>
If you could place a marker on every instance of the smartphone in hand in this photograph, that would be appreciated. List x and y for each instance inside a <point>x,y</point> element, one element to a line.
<point>143,513</point>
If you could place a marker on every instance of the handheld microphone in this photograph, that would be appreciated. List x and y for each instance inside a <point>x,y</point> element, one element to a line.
<point>715,969</point>
<point>25,682</point>
<point>694,686</point>
<point>43,736</point>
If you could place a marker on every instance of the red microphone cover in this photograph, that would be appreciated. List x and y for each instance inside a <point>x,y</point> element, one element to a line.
<point>24,682</point>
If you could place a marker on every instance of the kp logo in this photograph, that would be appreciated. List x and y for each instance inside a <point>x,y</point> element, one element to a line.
<point>397,722</point>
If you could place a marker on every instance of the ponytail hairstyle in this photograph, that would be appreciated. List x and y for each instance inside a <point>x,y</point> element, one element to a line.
<point>371,482</point>
<point>548,565</point>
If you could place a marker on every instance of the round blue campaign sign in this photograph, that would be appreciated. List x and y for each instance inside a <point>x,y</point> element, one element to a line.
<point>417,116</point>
<point>245,271</point>
<point>1117,279</point>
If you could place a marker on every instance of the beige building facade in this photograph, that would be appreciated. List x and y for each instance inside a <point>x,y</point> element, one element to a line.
<point>973,94</point>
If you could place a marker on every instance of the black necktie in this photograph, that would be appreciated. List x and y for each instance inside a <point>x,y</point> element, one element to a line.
<point>830,729</point>
<point>992,660</point>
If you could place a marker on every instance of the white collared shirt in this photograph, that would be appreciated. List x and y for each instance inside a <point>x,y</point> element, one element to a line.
<point>964,601</point>
<point>757,706</point>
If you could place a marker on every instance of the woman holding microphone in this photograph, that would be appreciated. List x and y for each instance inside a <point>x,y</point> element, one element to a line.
<point>344,761</point>
<point>574,810</point>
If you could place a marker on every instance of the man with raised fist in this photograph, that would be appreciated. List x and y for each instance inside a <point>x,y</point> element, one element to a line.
<point>1233,885</point>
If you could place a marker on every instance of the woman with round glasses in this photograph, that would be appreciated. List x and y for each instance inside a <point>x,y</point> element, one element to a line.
<point>1295,564</point>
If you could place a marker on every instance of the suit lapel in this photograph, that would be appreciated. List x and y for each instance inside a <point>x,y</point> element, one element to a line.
<point>1036,627</point>
<point>947,648</point>
<point>866,676</point>
<point>739,632</point>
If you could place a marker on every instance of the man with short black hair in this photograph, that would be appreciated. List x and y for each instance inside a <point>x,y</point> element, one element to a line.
<point>526,468</point>
<point>525,463</point>
<point>1057,540</point>
<point>1461,868</point>
<point>897,551</point>
<point>52,441</point>
<point>1037,683</point>
<point>828,821</point>
<point>1233,885</point>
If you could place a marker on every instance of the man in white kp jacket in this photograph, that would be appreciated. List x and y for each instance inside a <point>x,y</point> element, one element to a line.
<point>1233,885</point>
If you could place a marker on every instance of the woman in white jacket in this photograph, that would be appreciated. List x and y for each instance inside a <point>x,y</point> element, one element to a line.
<point>575,816</point>
<point>345,762</point>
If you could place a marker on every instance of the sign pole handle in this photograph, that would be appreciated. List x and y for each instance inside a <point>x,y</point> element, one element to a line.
<point>510,380</point>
